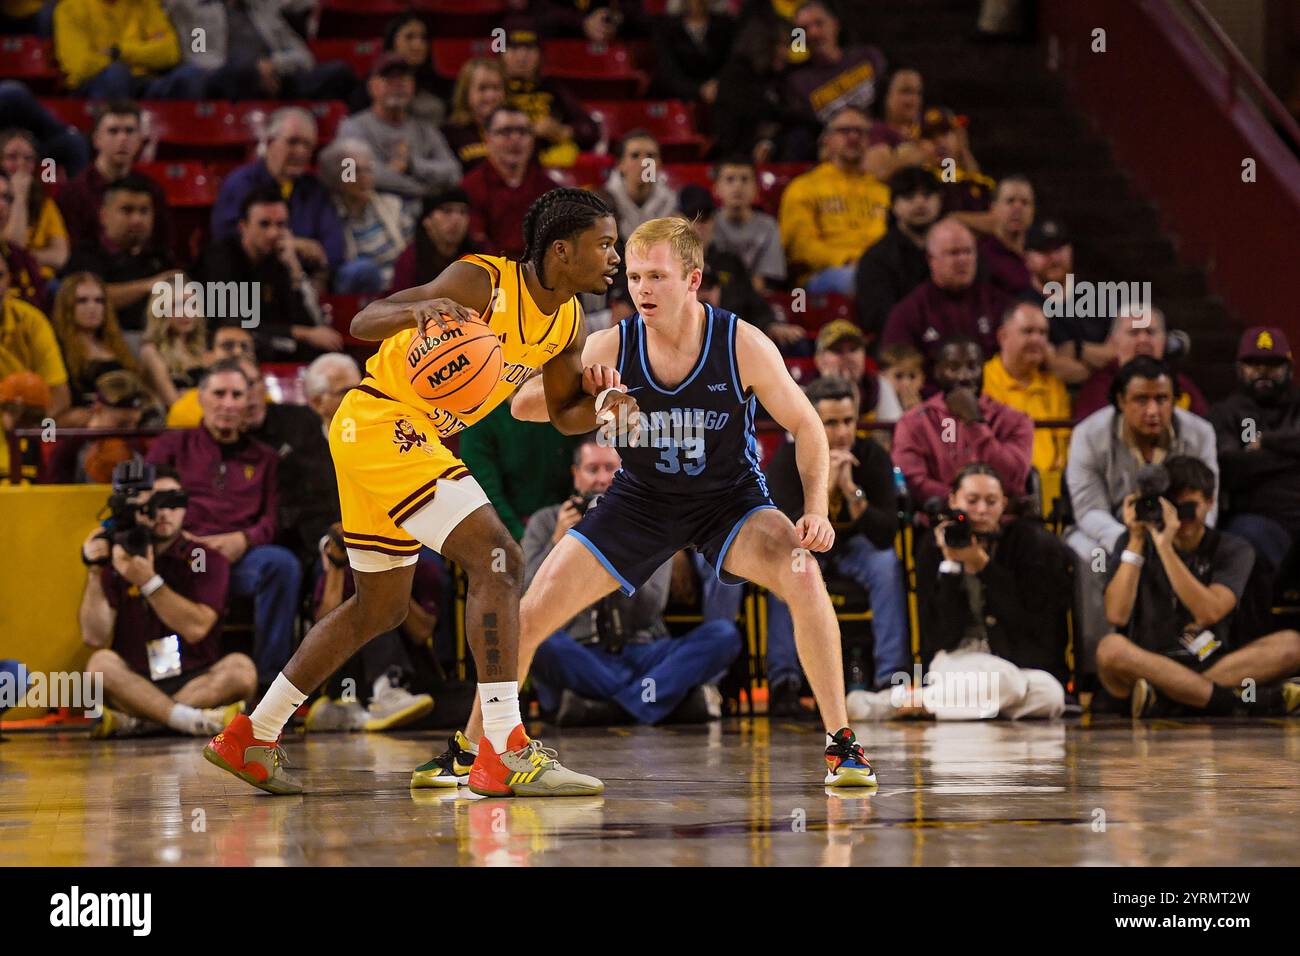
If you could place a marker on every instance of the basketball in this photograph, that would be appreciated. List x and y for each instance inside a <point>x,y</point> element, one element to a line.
<point>457,369</point>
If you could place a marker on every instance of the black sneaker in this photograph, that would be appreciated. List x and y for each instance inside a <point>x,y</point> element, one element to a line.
<point>783,699</point>
<point>1145,701</point>
<point>702,704</point>
<point>578,711</point>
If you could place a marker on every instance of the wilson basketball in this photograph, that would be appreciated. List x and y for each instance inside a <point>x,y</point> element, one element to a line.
<point>457,369</point>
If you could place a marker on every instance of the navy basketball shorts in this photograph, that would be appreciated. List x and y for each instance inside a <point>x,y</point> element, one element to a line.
<point>632,531</point>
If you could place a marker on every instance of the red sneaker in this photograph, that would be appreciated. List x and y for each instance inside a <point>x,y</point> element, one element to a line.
<point>526,769</point>
<point>259,762</point>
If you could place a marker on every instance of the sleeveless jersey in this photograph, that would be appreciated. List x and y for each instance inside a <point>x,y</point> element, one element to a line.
<point>529,339</point>
<point>697,438</point>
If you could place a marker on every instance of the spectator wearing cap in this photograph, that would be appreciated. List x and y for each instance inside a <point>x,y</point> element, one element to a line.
<point>26,277</point>
<point>124,256</point>
<point>108,50</point>
<point>960,424</point>
<point>283,162</point>
<point>505,184</point>
<point>251,52</point>
<point>28,344</point>
<point>91,340</point>
<point>1258,434</point>
<point>441,237</point>
<point>1133,332</point>
<point>34,222</point>
<point>841,352</point>
<point>634,189</point>
<point>894,266</point>
<point>833,213</point>
<point>752,235</point>
<point>118,403</point>
<point>833,77</point>
<point>690,47</point>
<point>263,257</point>
<point>24,398</point>
<point>1002,251</point>
<point>730,284</point>
<point>560,124</point>
<point>966,191</point>
<point>411,157</point>
<point>1141,426</point>
<point>1018,376</point>
<point>377,227</point>
<point>231,481</point>
<point>480,88</point>
<point>954,301</point>
<point>117,137</point>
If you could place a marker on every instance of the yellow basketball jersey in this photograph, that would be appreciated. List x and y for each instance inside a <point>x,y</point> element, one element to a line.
<point>529,339</point>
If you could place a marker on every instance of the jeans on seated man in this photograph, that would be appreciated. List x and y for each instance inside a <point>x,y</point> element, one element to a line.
<point>231,480</point>
<point>155,623</point>
<point>1175,585</point>
<point>992,613</point>
<point>864,510</point>
<point>367,693</point>
<point>616,661</point>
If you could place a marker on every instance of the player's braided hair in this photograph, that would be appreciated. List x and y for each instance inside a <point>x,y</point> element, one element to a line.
<point>558,214</point>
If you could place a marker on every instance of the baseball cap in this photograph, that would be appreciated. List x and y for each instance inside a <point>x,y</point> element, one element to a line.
<point>1046,235</point>
<point>120,389</point>
<point>936,121</point>
<point>521,30</point>
<point>1264,343</point>
<point>836,331</point>
<point>694,200</point>
<point>26,388</point>
<point>391,63</point>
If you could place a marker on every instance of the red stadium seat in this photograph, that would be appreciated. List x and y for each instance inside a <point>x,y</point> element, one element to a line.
<point>284,381</point>
<point>671,121</point>
<point>591,169</point>
<point>357,18</point>
<point>341,310</point>
<point>770,441</point>
<point>772,180</point>
<point>360,55</point>
<point>196,130</point>
<point>74,111</point>
<point>687,174</point>
<point>462,18</point>
<point>187,184</point>
<point>602,69</point>
<point>450,55</point>
<point>802,369</point>
<point>815,311</point>
<point>30,59</point>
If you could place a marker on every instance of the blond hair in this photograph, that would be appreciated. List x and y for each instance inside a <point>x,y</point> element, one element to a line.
<point>179,353</point>
<point>460,111</point>
<point>63,318</point>
<point>677,232</point>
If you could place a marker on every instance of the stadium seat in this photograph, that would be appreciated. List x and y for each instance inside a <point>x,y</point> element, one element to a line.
<point>671,121</point>
<point>195,129</point>
<point>30,59</point>
<point>802,369</point>
<point>186,183</point>
<point>602,69</point>
<point>463,18</point>
<point>72,110</point>
<point>816,310</point>
<point>449,55</point>
<point>690,174</point>
<point>284,381</point>
<point>357,18</point>
<point>360,55</point>
<point>772,180</point>
<point>590,169</point>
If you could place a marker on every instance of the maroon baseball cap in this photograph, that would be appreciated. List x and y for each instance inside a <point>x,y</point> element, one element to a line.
<point>1264,343</point>
<point>391,63</point>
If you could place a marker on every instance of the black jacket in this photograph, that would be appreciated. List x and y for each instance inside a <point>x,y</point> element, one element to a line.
<point>1262,481</point>
<point>887,272</point>
<point>1028,586</point>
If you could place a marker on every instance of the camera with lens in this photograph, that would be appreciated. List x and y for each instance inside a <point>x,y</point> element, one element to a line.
<point>959,532</point>
<point>122,525</point>
<point>1152,482</point>
<point>584,501</point>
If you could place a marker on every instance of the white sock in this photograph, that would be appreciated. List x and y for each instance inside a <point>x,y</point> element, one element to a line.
<point>500,711</point>
<point>187,720</point>
<point>270,716</point>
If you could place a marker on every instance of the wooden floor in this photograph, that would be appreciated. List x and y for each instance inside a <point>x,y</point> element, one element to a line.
<point>741,792</point>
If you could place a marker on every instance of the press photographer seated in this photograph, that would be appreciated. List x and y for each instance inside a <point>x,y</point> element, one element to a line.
<point>1175,585</point>
<point>992,601</point>
<point>152,609</point>
<point>615,660</point>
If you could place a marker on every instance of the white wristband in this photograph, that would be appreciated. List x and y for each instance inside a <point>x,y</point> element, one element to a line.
<point>153,584</point>
<point>1133,558</point>
<point>600,404</point>
<point>951,567</point>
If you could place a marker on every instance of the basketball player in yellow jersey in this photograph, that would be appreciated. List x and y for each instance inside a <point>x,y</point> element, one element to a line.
<point>400,488</point>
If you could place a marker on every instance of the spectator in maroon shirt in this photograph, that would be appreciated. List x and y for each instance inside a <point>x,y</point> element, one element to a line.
<point>960,425</point>
<point>117,139</point>
<point>161,612</point>
<point>231,480</point>
<point>953,301</point>
<point>504,185</point>
<point>25,276</point>
<point>1135,333</point>
<point>1002,252</point>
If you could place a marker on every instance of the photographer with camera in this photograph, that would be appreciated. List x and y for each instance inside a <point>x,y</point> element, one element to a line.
<point>992,599</point>
<point>1175,586</point>
<point>1107,449</point>
<point>152,610</point>
<point>616,659</point>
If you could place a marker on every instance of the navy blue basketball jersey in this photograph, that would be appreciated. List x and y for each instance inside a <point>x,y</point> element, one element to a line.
<point>697,438</point>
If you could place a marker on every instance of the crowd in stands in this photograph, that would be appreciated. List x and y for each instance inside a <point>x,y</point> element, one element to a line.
<point>842,212</point>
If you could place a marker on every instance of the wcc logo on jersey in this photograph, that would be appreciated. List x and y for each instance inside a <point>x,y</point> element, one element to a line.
<point>405,437</point>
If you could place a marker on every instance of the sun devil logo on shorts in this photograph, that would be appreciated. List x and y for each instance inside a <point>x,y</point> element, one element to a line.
<point>405,437</point>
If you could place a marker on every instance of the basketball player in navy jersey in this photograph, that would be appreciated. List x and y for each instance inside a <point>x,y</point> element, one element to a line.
<point>691,475</point>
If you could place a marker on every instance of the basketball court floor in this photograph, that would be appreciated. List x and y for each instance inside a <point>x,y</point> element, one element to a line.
<point>744,791</point>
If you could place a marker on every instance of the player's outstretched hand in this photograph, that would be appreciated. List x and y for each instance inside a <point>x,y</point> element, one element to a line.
<point>435,316</point>
<point>815,533</point>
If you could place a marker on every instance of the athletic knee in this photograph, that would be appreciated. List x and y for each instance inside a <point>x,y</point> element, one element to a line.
<point>103,661</point>
<point>500,565</point>
<point>1113,651</point>
<point>1289,644</point>
<point>242,673</point>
